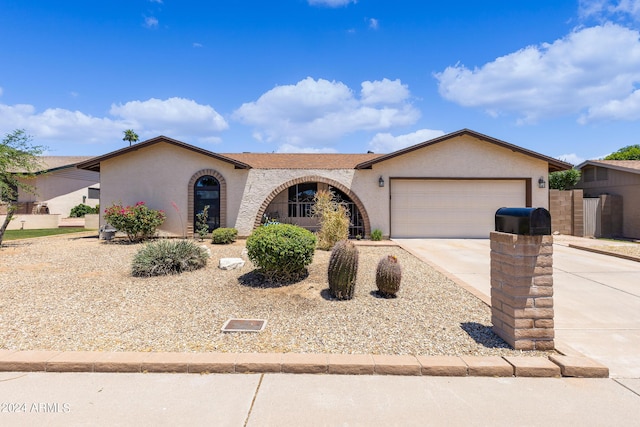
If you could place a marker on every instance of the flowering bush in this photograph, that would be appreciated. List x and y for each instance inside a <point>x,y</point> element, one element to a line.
<point>138,222</point>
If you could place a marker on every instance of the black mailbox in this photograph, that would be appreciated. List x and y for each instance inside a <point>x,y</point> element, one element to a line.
<point>526,221</point>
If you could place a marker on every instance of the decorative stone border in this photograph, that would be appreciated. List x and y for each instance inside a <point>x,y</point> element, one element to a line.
<point>349,364</point>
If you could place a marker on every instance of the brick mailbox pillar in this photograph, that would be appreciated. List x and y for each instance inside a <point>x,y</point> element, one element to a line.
<point>522,290</point>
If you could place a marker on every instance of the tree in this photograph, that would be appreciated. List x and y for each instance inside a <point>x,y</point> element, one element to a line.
<point>131,136</point>
<point>564,180</point>
<point>18,160</point>
<point>630,152</point>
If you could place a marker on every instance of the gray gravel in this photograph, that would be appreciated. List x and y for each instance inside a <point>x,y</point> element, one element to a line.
<point>71,293</point>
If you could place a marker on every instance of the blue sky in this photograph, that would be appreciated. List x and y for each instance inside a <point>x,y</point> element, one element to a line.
<point>558,77</point>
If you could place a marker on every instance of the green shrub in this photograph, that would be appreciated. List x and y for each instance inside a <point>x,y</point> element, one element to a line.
<point>202,227</point>
<point>281,251</point>
<point>343,269</point>
<point>388,276</point>
<point>164,257</point>
<point>138,222</point>
<point>224,236</point>
<point>376,235</point>
<point>333,217</point>
<point>81,210</point>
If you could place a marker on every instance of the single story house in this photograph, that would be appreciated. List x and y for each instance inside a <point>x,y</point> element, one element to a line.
<point>620,179</point>
<point>449,186</point>
<point>59,186</point>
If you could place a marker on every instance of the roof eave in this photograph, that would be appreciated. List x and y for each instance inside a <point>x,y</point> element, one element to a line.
<point>94,163</point>
<point>607,165</point>
<point>554,164</point>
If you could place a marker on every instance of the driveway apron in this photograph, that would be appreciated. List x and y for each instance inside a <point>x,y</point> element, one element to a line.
<point>596,297</point>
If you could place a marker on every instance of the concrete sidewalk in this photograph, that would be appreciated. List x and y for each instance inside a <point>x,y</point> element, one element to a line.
<point>596,297</point>
<point>62,399</point>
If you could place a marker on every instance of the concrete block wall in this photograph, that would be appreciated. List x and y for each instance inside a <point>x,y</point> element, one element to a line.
<point>567,212</point>
<point>522,290</point>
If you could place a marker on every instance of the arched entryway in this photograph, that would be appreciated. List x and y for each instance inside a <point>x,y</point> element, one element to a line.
<point>206,194</point>
<point>207,188</point>
<point>291,203</point>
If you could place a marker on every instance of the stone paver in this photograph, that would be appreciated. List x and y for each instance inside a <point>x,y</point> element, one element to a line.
<point>351,364</point>
<point>443,366</point>
<point>582,367</point>
<point>533,366</point>
<point>293,363</point>
<point>488,366</point>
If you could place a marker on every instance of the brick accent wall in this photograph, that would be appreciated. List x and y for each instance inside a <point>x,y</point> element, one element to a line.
<point>315,178</point>
<point>522,290</point>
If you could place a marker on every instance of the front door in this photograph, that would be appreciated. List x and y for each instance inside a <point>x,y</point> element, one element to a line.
<point>207,193</point>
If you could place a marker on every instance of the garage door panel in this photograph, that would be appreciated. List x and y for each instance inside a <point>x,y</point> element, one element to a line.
<point>450,208</point>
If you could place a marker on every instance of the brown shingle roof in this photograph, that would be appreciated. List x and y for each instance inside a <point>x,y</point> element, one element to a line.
<point>632,166</point>
<point>50,163</point>
<point>301,160</point>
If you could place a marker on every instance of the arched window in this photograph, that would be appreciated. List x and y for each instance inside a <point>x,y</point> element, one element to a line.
<point>206,192</point>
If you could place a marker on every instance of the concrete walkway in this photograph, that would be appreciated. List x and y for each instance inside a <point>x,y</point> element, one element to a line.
<point>88,399</point>
<point>596,297</point>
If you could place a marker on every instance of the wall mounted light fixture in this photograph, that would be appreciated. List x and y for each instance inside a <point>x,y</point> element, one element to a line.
<point>381,182</point>
<point>541,183</point>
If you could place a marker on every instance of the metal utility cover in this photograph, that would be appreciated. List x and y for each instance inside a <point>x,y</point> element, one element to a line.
<point>244,325</point>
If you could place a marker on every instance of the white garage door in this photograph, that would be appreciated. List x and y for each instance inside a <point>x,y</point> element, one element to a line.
<point>450,208</point>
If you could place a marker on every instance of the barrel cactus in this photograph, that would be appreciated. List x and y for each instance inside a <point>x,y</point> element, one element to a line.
<point>388,276</point>
<point>343,268</point>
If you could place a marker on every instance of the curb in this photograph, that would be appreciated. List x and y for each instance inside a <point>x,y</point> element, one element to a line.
<point>297,363</point>
<point>598,251</point>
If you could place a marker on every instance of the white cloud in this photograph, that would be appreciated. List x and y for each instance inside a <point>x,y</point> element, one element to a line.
<point>151,22</point>
<point>387,143</point>
<point>319,111</point>
<point>57,124</point>
<point>383,91</point>
<point>175,117</point>
<point>572,158</point>
<point>586,69</point>
<point>156,1</point>
<point>289,148</point>
<point>617,109</point>
<point>197,45</point>
<point>374,24</point>
<point>331,3</point>
<point>609,9</point>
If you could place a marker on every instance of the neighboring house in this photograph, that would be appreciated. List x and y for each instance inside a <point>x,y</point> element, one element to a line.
<point>621,180</point>
<point>449,186</point>
<point>60,186</point>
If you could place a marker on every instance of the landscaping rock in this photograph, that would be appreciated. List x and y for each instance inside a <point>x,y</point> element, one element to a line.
<point>230,263</point>
<point>206,248</point>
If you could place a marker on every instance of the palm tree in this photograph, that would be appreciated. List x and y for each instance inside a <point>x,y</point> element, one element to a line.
<point>131,136</point>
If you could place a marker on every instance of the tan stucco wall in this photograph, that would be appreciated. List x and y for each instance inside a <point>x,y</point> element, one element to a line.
<point>62,189</point>
<point>159,175</point>
<point>461,157</point>
<point>32,222</point>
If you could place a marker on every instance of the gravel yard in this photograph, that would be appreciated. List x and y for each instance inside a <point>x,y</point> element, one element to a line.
<point>76,293</point>
<point>630,250</point>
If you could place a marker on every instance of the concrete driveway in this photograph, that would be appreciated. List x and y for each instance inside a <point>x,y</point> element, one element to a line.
<point>596,297</point>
